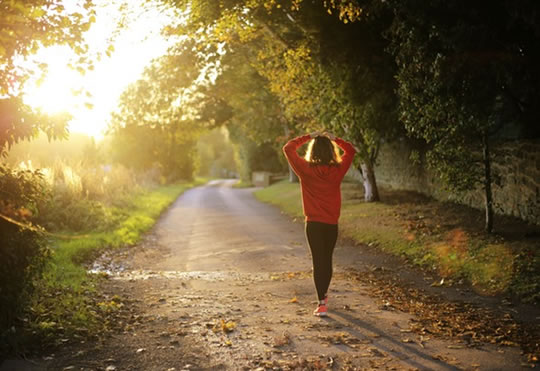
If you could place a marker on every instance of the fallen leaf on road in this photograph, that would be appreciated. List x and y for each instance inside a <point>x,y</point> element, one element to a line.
<point>443,318</point>
<point>294,300</point>
<point>224,326</point>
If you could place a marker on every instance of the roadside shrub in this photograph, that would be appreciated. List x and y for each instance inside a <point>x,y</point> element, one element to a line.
<point>78,196</point>
<point>62,213</point>
<point>23,251</point>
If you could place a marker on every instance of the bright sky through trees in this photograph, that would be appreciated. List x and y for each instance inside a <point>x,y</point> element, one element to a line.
<point>133,31</point>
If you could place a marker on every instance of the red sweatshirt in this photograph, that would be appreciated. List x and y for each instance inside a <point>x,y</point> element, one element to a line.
<point>320,184</point>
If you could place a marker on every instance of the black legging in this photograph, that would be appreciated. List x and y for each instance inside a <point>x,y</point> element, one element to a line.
<point>321,238</point>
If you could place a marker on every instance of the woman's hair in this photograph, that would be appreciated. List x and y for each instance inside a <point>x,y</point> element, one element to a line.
<point>322,151</point>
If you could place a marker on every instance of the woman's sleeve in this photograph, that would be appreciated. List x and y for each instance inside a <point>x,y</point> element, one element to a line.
<point>297,163</point>
<point>348,154</point>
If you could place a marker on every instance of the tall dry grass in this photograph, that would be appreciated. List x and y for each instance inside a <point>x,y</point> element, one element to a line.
<point>82,197</point>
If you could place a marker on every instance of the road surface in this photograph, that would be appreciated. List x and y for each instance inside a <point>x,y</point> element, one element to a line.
<point>224,282</point>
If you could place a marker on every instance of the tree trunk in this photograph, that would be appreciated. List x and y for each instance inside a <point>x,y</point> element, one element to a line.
<point>293,178</point>
<point>487,185</point>
<point>371,192</point>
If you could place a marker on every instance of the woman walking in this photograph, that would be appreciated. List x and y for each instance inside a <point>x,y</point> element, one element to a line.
<point>321,172</point>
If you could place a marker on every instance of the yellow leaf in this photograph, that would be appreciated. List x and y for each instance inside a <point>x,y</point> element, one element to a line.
<point>294,300</point>
<point>37,12</point>
<point>228,326</point>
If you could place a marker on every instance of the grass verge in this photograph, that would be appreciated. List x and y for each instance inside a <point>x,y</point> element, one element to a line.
<point>242,184</point>
<point>66,304</point>
<point>444,238</point>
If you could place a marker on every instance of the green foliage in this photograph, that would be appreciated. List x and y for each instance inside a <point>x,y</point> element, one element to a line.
<point>23,251</point>
<point>527,268</point>
<point>452,111</point>
<point>26,26</point>
<point>318,77</point>
<point>157,122</point>
<point>255,111</point>
<point>251,156</point>
<point>216,154</point>
<point>305,67</point>
<point>61,213</point>
<point>345,65</point>
<point>460,82</point>
<point>77,197</point>
<point>165,149</point>
<point>254,119</point>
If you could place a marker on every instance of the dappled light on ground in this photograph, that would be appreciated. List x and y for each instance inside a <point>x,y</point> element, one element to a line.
<point>134,275</point>
<point>493,266</point>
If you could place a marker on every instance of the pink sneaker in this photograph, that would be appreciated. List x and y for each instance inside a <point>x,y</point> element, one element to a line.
<point>322,308</point>
<point>321,311</point>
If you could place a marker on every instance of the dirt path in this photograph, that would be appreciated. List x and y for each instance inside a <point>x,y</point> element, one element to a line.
<point>223,282</point>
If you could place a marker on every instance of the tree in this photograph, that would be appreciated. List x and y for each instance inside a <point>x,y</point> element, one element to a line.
<point>216,154</point>
<point>157,123</point>
<point>256,123</point>
<point>350,81</point>
<point>463,73</point>
<point>313,63</point>
<point>25,26</point>
<point>23,251</point>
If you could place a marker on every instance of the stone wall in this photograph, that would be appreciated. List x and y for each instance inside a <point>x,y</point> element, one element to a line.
<point>517,166</point>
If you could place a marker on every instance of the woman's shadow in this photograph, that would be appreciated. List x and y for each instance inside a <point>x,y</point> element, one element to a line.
<point>404,352</point>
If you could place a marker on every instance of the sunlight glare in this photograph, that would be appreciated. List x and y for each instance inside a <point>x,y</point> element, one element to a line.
<point>90,98</point>
<point>56,93</point>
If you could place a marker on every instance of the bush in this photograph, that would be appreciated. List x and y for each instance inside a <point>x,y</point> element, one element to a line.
<point>78,197</point>
<point>23,251</point>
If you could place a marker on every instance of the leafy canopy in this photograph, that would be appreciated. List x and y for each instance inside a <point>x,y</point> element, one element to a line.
<point>25,27</point>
